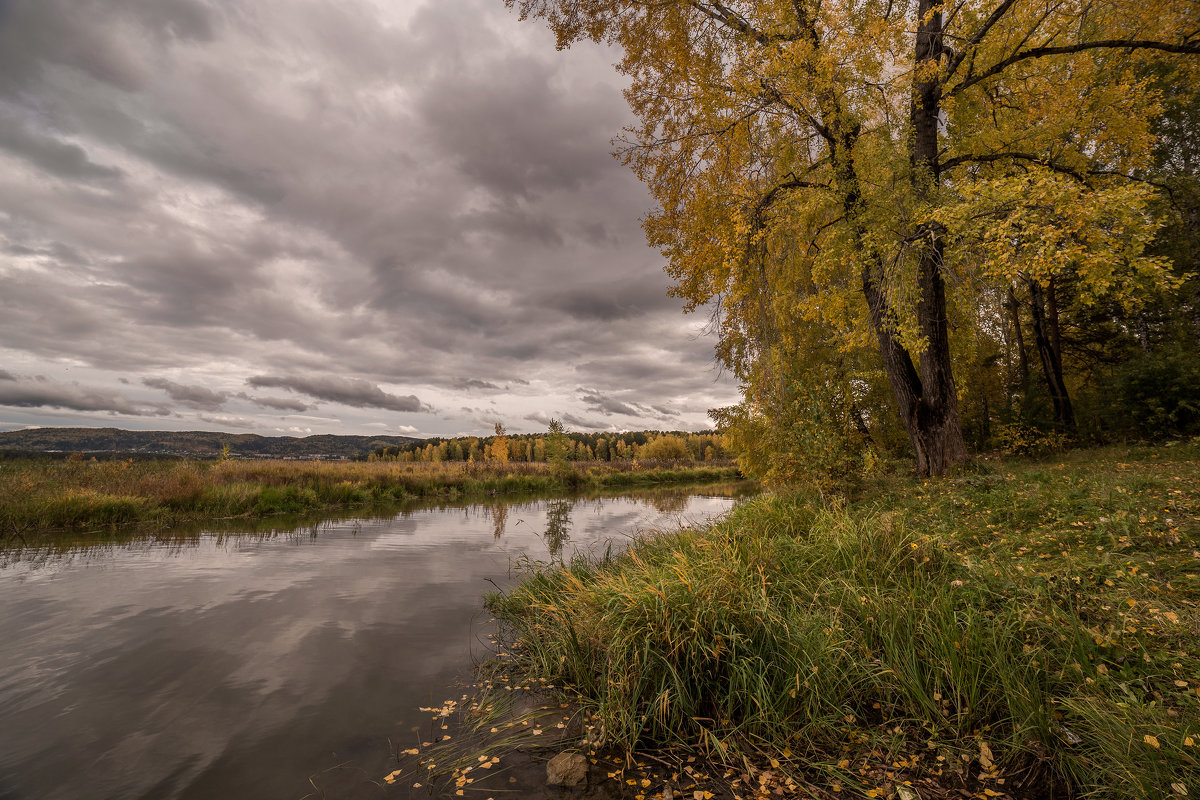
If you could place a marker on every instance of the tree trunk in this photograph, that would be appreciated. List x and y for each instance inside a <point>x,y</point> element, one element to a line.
<point>928,400</point>
<point>1051,360</point>
<point>1022,357</point>
<point>985,427</point>
<point>932,423</point>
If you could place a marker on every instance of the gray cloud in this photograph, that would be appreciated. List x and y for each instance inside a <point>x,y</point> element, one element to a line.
<point>227,421</point>
<point>395,194</point>
<point>606,405</point>
<point>348,391</point>
<point>277,403</point>
<point>47,153</point>
<point>38,391</point>
<point>585,423</point>
<point>197,397</point>
<point>475,383</point>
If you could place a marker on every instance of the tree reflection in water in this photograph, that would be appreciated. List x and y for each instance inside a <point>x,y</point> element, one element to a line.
<point>669,502</point>
<point>558,526</point>
<point>499,519</point>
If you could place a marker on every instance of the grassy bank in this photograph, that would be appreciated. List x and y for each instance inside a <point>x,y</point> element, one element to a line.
<point>1025,630</point>
<point>38,495</point>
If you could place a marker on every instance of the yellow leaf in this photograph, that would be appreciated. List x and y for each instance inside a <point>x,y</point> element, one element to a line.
<point>1150,740</point>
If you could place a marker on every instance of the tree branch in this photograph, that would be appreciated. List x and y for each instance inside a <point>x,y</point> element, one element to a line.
<point>977,37</point>
<point>1186,48</point>
<point>988,158</point>
<point>720,13</point>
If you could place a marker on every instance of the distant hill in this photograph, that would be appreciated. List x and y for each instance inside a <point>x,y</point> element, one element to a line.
<point>197,444</point>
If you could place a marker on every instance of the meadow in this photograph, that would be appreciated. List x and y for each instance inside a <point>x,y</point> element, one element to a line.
<point>39,495</point>
<point>1025,629</point>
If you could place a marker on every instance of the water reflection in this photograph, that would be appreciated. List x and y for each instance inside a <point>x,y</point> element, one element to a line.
<point>215,663</point>
<point>499,519</point>
<point>558,526</point>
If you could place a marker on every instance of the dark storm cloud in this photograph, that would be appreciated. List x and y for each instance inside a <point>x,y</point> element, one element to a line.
<point>197,397</point>
<point>348,391</point>
<point>38,391</point>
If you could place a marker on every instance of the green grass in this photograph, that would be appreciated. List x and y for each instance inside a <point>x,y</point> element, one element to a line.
<point>42,495</point>
<point>1029,629</point>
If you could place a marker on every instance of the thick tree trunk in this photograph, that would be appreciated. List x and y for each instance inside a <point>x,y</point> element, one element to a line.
<point>1051,359</point>
<point>928,400</point>
<point>932,423</point>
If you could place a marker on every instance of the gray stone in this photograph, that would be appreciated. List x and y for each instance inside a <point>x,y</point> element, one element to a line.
<point>567,769</point>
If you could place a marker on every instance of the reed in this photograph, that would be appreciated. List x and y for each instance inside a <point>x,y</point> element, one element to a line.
<point>41,495</point>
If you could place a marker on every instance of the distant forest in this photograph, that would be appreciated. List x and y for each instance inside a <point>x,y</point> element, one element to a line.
<point>645,445</point>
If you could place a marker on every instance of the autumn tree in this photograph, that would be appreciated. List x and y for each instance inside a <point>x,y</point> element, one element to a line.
<point>856,168</point>
<point>666,447</point>
<point>557,445</point>
<point>498,448</point>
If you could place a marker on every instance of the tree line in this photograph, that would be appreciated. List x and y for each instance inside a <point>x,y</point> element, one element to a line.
<point>558,444</point>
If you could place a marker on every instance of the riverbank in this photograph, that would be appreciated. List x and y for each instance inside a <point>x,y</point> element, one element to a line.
<point>1026,630</point>
<point>43,495</point>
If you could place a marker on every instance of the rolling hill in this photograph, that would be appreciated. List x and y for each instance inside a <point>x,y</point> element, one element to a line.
<point>196,444</point>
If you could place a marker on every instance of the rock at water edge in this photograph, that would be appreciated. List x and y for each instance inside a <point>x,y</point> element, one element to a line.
<point>567,769</point>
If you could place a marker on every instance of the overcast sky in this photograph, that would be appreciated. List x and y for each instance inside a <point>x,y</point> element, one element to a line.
<point>320,216</point>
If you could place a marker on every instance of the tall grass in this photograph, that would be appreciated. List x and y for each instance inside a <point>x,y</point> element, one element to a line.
<point>1055,656</point>
<point>41,495</point>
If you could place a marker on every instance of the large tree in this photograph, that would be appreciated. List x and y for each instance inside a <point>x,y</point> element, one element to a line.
<point>862,156</point>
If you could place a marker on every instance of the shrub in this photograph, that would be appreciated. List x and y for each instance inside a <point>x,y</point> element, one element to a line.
<point>1158,395</point>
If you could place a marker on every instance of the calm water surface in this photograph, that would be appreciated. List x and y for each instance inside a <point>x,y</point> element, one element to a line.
<point>265,665</point>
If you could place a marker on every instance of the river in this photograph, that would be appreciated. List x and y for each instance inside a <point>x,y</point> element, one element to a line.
<point>278,663</point>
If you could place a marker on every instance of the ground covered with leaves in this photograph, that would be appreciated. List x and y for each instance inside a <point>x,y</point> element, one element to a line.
<point>1024,629</point>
